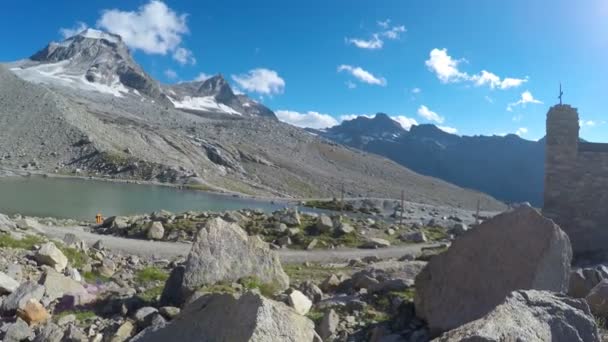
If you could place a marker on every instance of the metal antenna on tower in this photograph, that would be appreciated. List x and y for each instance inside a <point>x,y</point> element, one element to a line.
<point>561,93</point>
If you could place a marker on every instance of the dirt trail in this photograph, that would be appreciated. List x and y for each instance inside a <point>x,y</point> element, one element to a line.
<point>172,249</point>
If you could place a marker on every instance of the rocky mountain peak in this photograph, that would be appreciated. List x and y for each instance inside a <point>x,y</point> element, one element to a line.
<point>380,125</point>
<point>218,87</point>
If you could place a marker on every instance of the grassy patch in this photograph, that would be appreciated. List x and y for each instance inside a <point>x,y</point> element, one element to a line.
<point>200,187</point>
<point>94,277</point>
<point>315,315</point>
<point>407,294</point>
<point>28,241</point>
<point>266,289</point>
<point>435,233</point>
<point>152,294</point>
<point>221,287</point>
<point>81,315</point>
<point>77,258</point>
<point>188,226</point>
<point>299,273</point>
<point>150,274</point>
<point>372,315</point>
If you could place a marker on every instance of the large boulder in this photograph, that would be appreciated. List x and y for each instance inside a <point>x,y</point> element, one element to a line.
<point>598,299</point>
<point>225,317</point>
<point>7,284</point>
<point>531,316</point>
<point>222,251</point>
<point>155,230</point>
<point>519,249</point>
<point>582,280</point>
<point>20,297</point>
<point>6,224</point>
<point>50,255</point>
<point>56,285</point>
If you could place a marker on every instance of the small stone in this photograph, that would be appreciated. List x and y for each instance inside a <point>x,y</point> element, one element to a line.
<point>124,332</point>
<point>345,228</point>
<point>169,311</point>
<point>21,296</point>
<point>144,312</point>
<point>330,283</point>
<point>375,243</point>
<point>312,244</point>
<point>415,237</point>
<point>324,224</point>
<point>299,302</point>
<point>99,245</point>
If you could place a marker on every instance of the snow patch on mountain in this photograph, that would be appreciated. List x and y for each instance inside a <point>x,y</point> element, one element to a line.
<point>56,74</point>
<point>206,103</point>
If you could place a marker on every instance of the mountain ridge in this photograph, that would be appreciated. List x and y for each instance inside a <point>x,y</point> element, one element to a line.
<point>507,167</point>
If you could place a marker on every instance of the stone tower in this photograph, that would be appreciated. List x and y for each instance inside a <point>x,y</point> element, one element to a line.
<point>560,156</point>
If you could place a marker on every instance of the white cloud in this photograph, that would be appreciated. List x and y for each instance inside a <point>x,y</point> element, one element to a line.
<point>376,40</point>
<point>394,32</point>
<point>446,69</point>
<point>348,117</point>
<point>171,74</point>
<point>526,97</point>
<point>416,91</point>
<point>154,28</point>
<point>184,56</point>
<point>429,115</point>
<point>444,66</point>
<point>70,32</point>
<point>384,24</point>
<point>488,78</point>
<point>405,122</point>
<point>447,129</point>
<point>309,119</point>
<point>371,44</point>
<point>261,81</point>
<point>202,77</point>
<point>362,75</point>
<point>587,123</point>
<point>521,131</point>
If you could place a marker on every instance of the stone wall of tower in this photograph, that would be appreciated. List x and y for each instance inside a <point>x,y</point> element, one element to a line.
<point>576,184</point>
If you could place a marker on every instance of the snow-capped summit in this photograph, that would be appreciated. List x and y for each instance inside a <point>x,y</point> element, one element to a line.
<point>214,95</point>
<point>91,60</point>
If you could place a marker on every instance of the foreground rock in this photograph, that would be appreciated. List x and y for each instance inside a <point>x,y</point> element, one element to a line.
<point>222,251</point>
<point>598,299</point>
<point>224,317</point>
<point>531,316</point>
<point>52,256</point>
<point>516,250</point>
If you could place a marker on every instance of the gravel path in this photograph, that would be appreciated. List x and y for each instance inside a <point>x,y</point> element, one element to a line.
<point>172,249</point>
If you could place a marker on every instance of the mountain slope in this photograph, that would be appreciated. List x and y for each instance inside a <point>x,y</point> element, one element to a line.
<point>508,168</point>
<point>68,129</point>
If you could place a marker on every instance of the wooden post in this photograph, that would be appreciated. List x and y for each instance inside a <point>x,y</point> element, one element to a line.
<point>402,207</point>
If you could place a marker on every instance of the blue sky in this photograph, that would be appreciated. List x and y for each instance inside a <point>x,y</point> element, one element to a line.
<point>460,64</point>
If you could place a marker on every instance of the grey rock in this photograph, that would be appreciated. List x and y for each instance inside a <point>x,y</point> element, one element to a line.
<point>67,319</point>
<point>18,331</point>
<point>56,285</point>
<point>50,255</point>
<point>531,316</point>
<point>50,332</point>
<point>519,249</point>
<point>6,224</point>
<point>415,237</point>
<point>299,302</point>
<point>324,224</point>
<point>155,230</point>
<point>21,295</point>
<point>15,271</point>
<point>172,292</point>
<point>224,317</point>
<point>141,314</point>
<point>311,291</point>
<point>598,299</point>
<point>329,324</point>
<point>98,245</point>
<point>290,217</point>
<point>223,252</point>
<point>7,284</point>
<point>375,243</point>
<point>458,229</point>
<point>169,312</point>
<point>582,281</point>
